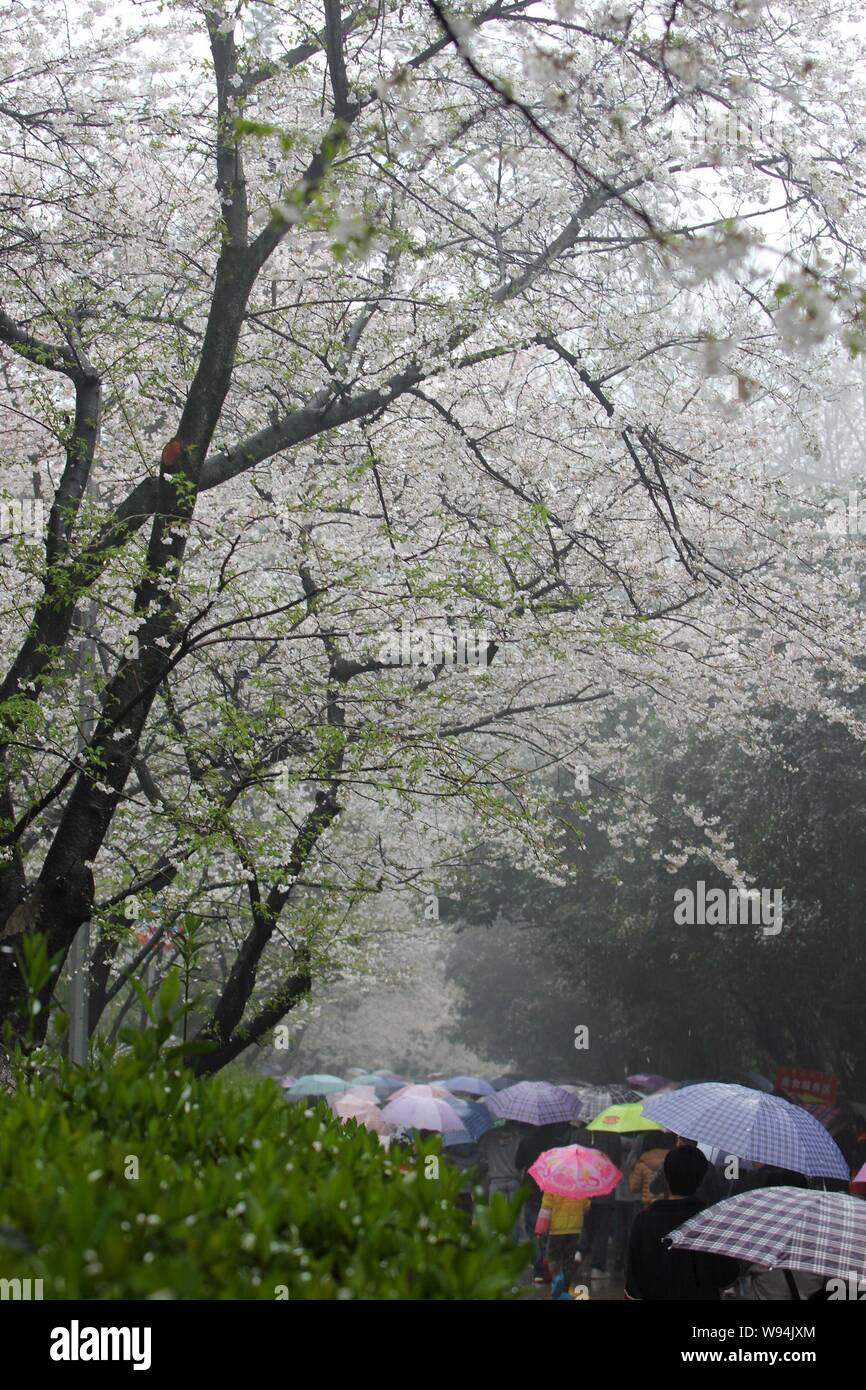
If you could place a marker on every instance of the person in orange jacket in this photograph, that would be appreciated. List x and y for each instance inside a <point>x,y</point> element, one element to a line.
<point>654,1150</point>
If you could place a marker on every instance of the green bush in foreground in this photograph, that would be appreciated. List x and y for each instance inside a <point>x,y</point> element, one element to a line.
<point>237,1196</point>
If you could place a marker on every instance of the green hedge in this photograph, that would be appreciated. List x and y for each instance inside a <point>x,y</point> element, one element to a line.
<point>238,1196</point>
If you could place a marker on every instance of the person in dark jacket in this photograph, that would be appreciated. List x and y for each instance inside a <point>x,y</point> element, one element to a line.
<point>598,1226</point>
<point>655,1271</point>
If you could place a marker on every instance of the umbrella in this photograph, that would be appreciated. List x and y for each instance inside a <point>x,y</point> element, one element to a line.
<point>476,1118</point>
<point>287,1081</point>
<point>500,1083</point>
<point>365,1094</point>
<point>595,1099</point>
<point>347,1107</point>
<point>826,1115</point>
<point>422,1089</point>
<point>623,1119</point>
<point>648,1081</point>
<point>861,1176</point>
<point>750,1124</point>
<point>784,1228</point>
<point>535,1103</point>
<point>316,1084</point>
<point>472,1085</point>
<point>422,1112</point>
<point>575,1172</point>
<point>381,1084</point>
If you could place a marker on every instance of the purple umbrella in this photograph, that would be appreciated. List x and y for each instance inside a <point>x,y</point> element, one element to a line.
<point>472,1085</point>
<point>535,1103</point>
<point>648,1081</point>
<point>750,1124</point>
<point>422,1112</point>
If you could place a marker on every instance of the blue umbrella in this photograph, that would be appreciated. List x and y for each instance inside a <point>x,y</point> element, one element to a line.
<point>752,1125</point>
<point>316,1084</point>
<point>472,1085</point>
<point>476,1119</point>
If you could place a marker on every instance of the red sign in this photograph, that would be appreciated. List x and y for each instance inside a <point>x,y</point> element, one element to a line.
<point>818,1087</point>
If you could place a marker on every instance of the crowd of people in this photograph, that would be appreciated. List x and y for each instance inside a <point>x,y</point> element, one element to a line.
<point>619,1238</point>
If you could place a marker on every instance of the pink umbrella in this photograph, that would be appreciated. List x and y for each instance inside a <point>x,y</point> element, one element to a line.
<point>422,1112</point>
<point>366,1094</point>
<point>422,1090</point>
<point>575,1172</point>
<point>352,1108</point>
<point>861,1176</point>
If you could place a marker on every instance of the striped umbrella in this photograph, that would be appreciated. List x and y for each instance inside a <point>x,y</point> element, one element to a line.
<point>595,1099</point>
<point>534,1102</point>
<point>750,1124</point>
<point>784,1228</point>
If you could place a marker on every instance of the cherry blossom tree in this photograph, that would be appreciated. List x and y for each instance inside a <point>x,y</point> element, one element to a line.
<point>397,384</point>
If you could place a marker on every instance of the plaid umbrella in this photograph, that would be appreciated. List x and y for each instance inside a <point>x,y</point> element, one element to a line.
<point>575,1172</point>
<point>825,1114</point>
<point>595,1099</point>
<point>784,1228</point>
<point>535,1103</point>
<point>750,1124</point>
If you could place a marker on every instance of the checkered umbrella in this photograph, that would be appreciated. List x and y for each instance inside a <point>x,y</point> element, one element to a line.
<point>783,1228</point>
<point>595,1099</point>
<point>535,1103</point>
<point>750,1124</point>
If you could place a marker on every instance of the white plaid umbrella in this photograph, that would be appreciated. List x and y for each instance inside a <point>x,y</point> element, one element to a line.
<point>750,1124</point>
<point>783,1228</point>
<point>596,1099</point>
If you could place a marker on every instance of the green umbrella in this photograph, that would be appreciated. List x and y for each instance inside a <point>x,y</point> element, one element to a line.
<point>316,1084</point>
<point>623,1119</point>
